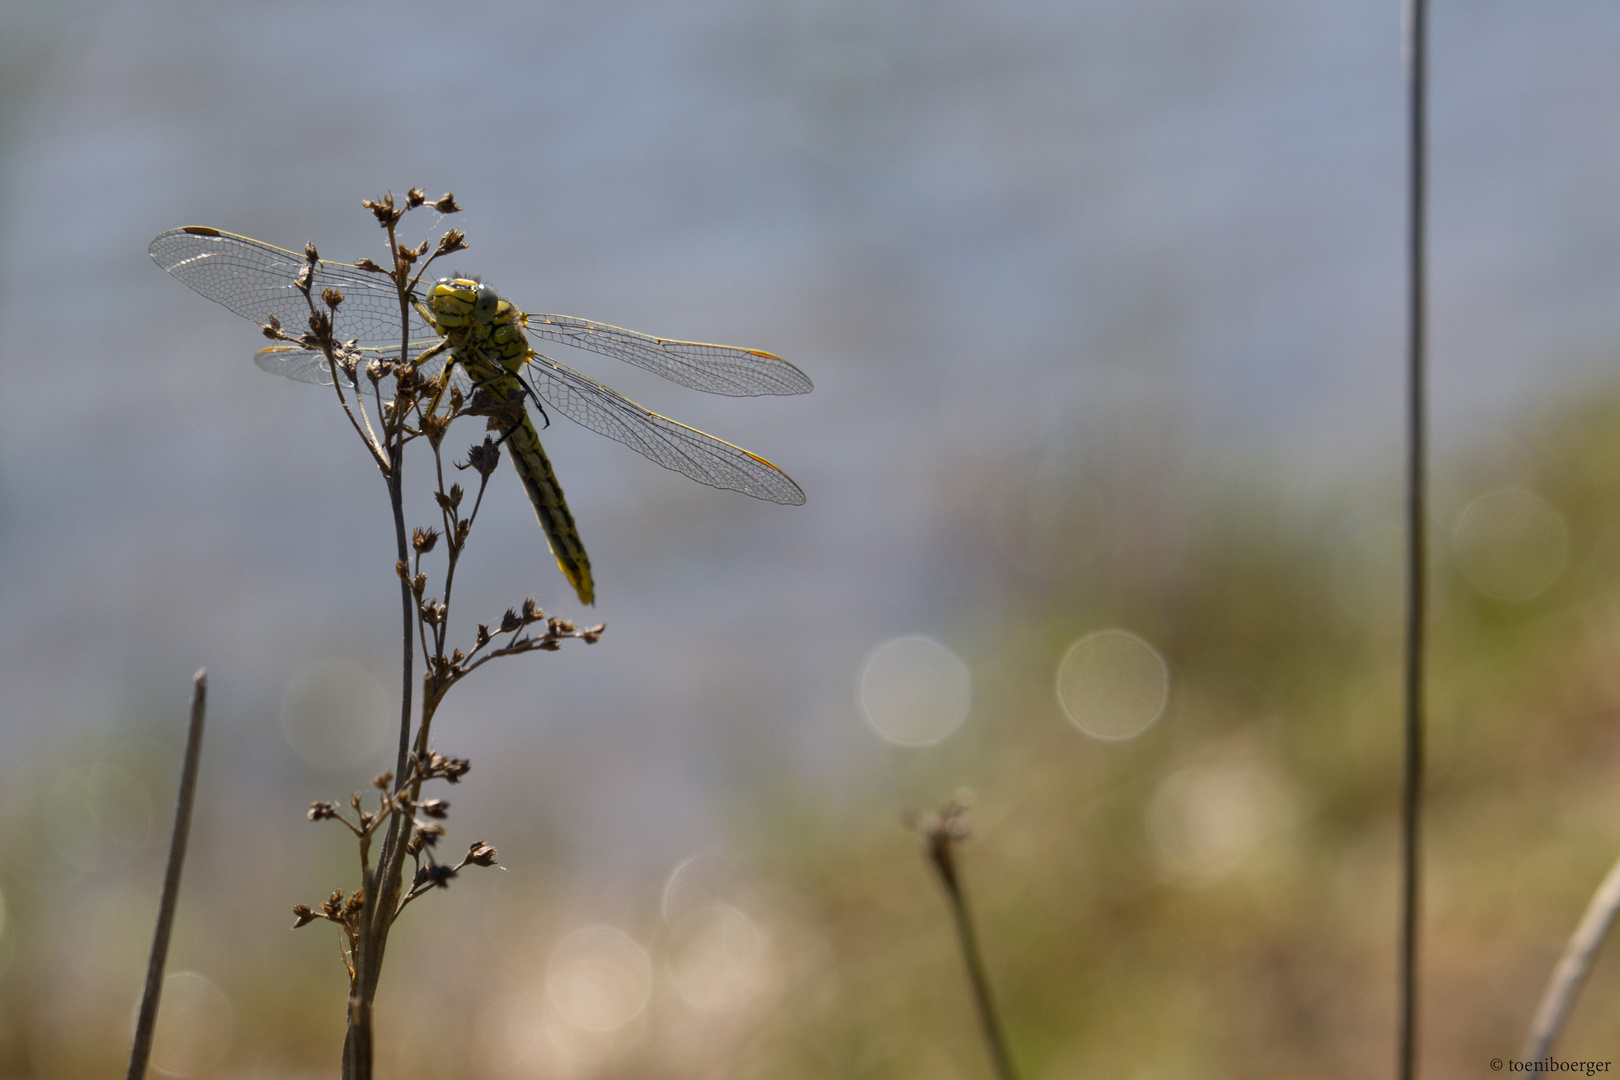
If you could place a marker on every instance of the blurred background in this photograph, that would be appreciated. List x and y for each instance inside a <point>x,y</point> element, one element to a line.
<point>1103,303</point>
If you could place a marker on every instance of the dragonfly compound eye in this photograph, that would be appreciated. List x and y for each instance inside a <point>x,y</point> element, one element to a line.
<point>487,302</point>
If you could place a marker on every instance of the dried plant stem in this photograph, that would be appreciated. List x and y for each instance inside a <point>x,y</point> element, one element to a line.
<point>140,1050</point>
<point>1417,542</point>
<point>1570,974</point>
<point>942,853</point>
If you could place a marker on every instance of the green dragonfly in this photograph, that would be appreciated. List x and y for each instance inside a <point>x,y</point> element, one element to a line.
<point>460,321</point>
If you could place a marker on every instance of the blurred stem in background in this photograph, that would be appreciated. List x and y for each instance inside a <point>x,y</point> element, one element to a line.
<point>943,831</point>
<point>140,1051</point>
<point>1417,542</point>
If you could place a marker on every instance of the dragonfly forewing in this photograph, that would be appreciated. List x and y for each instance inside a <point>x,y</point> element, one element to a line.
<point>714,369</point>
<point>258,280</point>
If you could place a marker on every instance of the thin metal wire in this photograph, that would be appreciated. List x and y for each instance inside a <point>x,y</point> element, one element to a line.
<point>1417,541</point>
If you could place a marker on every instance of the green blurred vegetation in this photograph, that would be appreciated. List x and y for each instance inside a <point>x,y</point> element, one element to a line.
<point>1279,617</point>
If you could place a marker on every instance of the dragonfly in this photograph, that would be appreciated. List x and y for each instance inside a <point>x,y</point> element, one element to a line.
<point>462,322</point>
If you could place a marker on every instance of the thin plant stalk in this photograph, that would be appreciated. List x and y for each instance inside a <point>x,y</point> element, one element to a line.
<point>1417,540</point>
<point>1573,967</point>
<point>140,1051</point>
<point>942,833</point>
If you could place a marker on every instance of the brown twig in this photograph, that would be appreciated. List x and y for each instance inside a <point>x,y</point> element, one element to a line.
<point>942,832</point>
<point>140,1051</point>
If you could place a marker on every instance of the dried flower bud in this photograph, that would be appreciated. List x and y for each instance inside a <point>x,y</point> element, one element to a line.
<point>438,875</point>
<point>403,569</point>
<point>427,831</point>
<point>483,459</point>
<point>423,540</point>
<point>457,398</point>
<point>320,811</point>
<point>354,801</point>
<point>481,637</point>
<point>331,298</point>
<point>382,780</point>
<point>481,854</point>
<point>452,241</point>
<point>457,657</point>
<point>367,264</point>
<point>592,634</point>
<point>356,901</point>
<point>463,527</point>
<point>418,583</point>
<point>310,254</point>
<point>414,198</point>
<point>332,906</point>
<point>434,808</point>
<point>434,428</point>
<point>531,612</point>
<point>510,622</point>
<point>446,204</point>
<point>413,846</point>
<point>303,916</point>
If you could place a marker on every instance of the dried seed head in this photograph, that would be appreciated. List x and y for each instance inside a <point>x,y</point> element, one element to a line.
<point>418,583</point>
<point>510,622</point>
<point>463,527</point>
<point>434,428</point>
<point>531,611</point>
<point>452,241</point>
<point>423,540</point>
<point>446,204</point>
<point>483,459</point>
<point>331,298</point>
<point>438,875</point>
<point>356,901</point>
<point>303,916</point>
<point>403,569</point>
<point>413,846</point>
<point>310,254</point>
<point>332,906</point>
<point>427,831</point>
<point>457,399</point>
<point>382,209</point>
<point>481,854</point>
<point>481,637</point>
<point>382,780</point>
<point>354,801</point>
<point>414,198</point>
<point>320,811</point>
<point>367,264</point>
<point>434,808</point>
<point>592,634</point>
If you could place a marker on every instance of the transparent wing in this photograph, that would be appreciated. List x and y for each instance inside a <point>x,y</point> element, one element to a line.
<point>255,280</point>
<point>674,446</point>
<point>716,369</point>
<point>304,365</point>
<point>310,366</point>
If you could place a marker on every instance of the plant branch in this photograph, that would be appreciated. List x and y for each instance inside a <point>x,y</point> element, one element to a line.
<point>140,1051</point>
<point>1573,967</point>
<point>942,831</point>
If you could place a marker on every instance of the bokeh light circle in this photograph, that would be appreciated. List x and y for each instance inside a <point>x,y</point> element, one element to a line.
<point>1206,820</point>
<point>1112,685</point>
<point>717,958</point>
<point>598,978</point>
<point>914,691</point>
<point>1510,544</point>
<point>334,714</point>
<point>194,1023</point>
